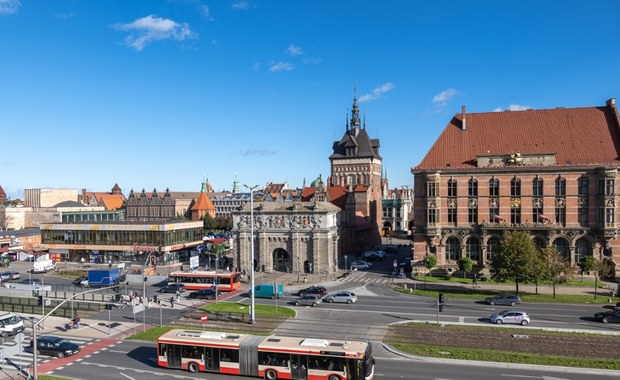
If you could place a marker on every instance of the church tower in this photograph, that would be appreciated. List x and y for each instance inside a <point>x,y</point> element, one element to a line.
<point>357,165</point>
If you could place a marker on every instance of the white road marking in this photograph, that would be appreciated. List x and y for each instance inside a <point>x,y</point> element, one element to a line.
<point>127,376</point>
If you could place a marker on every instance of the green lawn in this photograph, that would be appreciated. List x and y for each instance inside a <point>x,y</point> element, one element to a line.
<point>525,297</point>
<point>261,310</point>
<point>460,280</point>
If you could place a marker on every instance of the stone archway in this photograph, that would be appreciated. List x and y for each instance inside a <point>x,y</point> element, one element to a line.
<point>281,260</point>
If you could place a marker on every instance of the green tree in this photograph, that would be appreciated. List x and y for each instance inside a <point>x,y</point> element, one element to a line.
<point>225,224</point>
<point>514,258</point>
<point>429,262</point>
<point>557,269</point>
<point>210,223</point>
<point>465,265</point>
<point>586,265</point>
<point>538,269</point>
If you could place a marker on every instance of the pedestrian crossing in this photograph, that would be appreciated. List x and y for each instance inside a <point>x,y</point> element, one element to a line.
<point>21,357</point>
<point>364,277</point>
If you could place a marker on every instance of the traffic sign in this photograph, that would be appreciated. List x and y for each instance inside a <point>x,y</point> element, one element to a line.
<point>203,318</point>
<point>395,263</point>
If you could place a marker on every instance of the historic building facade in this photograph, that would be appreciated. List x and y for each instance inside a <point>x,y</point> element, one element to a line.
<point>552,173</point>
<point>293,237</point>
<point>154,206</point>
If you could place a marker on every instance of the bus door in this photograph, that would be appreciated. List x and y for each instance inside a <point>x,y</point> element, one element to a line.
<point>212,359</point>
<point>355,370</point>
<point>299,367</point>
<point>173,352</point>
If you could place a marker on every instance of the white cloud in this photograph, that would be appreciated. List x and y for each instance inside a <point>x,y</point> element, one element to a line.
<point>205,11</point>
<point>256,66</point>
<point>377,92</point>
<point>242,5</point>
<point>294,50</point>
<point>280,66</point>
<point>444,96</point>
<point>513,107</point>
<point>148,29</point>
<point>258,152</point>
<point>65,15</point>
<point>308,61</point>
<point>8,7</point>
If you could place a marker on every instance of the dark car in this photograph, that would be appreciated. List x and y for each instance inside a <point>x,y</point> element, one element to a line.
<point>314,289</point>
<point>54,346</point>
<point>172,288</point>
<point>5,276</point>
<point>503,299</point>
<point>206,294</point>
<point>609,316</point>
<point>80,280</point>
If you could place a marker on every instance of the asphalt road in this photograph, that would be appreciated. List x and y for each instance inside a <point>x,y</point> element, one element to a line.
<point>135,360</point>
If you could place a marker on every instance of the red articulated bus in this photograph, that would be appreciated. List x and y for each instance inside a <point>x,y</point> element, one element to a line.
<point>272,357</point>
<point>226,282</point>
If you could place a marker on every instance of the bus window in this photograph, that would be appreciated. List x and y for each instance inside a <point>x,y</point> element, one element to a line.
<point>162,350</point>
<point>227,355</point>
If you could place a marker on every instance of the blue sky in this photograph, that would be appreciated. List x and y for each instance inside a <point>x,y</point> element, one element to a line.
<point>161,93</point>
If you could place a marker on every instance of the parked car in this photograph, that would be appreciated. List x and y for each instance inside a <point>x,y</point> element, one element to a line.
<point>372,256</point>
<point>511,316</point>
<point>172,288</point>
<point>5,276</point>
<point>391,249</point>
<point>81,281</point>
<point>55,346</point>
<point>344,297</point>
<point>33,281</point>
<point>14,275</point>
<point>609,316</point>
<point>314,289</point>
<point>205,294</point>
<point>503,299</point>
<point>308,300</point>
<point>360,265</point>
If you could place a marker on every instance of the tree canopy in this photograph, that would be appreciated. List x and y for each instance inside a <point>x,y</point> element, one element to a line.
<point>514,259</point>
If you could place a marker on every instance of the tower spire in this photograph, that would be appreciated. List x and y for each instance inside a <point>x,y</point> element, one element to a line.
<point>355,112</point>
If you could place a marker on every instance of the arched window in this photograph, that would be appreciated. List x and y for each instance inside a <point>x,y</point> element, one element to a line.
<point>539,243</point>
<point>492,247</point>
<point>494,187</point>
<point>560,186</point>
<point>537,187</point>
<point>453,247</point>
<point>451,187</point>
<point>473,248</point>
<point>472,190</point>
<point>515,187</point>
<point>583,248</point>
<point>561,245</point>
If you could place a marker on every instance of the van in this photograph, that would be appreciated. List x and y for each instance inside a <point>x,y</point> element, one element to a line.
<point>268,291</point>
<point>10,324</point>
<point>42,266</point>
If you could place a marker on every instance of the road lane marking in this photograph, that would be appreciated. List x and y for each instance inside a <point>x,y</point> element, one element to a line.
<point>127,376</point>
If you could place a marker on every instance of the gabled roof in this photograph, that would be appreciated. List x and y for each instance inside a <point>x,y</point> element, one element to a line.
<point>112,201</point>
<point>578,136</point>
<point>337,195</point>
<point>203,203</point>
<point>366,147</point>
<point>2,193</point>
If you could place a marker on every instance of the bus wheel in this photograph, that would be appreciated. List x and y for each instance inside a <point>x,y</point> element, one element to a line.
<point>273,296</point>
<point>334,377</point>
<point>270,374</point>
<point>192,367</point>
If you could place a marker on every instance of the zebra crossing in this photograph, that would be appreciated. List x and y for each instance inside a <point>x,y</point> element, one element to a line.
<point>365,277</point>
<point>21,357</point>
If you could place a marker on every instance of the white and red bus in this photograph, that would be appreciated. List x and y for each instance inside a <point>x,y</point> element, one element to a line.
<point>226,282</point>
<point>272,357</point>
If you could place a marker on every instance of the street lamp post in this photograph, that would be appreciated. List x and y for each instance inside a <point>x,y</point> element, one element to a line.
<point>252,309</point>
<point>144,289</point>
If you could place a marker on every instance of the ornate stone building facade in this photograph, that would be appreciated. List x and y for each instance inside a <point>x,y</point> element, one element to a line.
<point>552,173</point>
<point>294,237</point>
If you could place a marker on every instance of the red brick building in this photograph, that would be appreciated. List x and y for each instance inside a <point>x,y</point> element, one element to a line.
<point>553,173</point>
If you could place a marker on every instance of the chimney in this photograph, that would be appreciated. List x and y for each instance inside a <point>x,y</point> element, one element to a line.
<point>463,120</point>
<point>611,102</point>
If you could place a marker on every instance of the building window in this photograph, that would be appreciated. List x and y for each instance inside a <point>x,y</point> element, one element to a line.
<point>560,216</point>
<point>537,187</point>
<point>493,246</point>
<point>515,215</point>
<point>515,187</point>
<point>609,217</point>
<point>452,249</point>
<point>431,216</point>
<point>582,216</point>
<point>560,186</point>
<point>561,245</point>
<point>610,186</point>
<point>583,248</point>
<point>452,188</point>
<point>472,215</point>
<point>494,187</point>
<point>582,186</point>
<point>537,212</point>
<point>431,189</point>
<point>472,188</point>
<point>452,216</point>
<point>473,248</point>
<point>494,216</point>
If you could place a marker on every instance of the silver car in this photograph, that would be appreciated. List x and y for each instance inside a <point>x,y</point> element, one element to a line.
<point>308,300</point>
<point>504,299</point>
<point>343,297</point>
<point>511,316</point>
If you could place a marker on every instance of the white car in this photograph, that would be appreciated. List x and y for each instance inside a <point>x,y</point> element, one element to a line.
<point>343,297</point>
<point>511,316</point>
<point>360,265</point>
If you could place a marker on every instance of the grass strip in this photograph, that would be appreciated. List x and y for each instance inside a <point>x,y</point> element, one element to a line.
<point>504,356</point>
<point>261,310</point>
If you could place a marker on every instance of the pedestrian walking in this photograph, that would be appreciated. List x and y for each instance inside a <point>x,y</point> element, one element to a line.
<point>171,301</point>
<point>178,295</point>
<point>474,280</point>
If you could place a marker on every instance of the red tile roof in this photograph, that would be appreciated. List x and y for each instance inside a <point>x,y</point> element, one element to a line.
<point>203,203</point>
<point>337,195</point>
<point>578,136</point>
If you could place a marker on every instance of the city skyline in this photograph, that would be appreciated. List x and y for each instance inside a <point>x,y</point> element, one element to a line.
<point>162,94</point>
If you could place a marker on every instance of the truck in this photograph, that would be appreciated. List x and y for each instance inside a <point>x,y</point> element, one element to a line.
<point>43,266</point>
<point>104,277</point>
<point>267,291</point>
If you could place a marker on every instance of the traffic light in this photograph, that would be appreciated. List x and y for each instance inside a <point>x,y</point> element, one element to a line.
<point>40,301</point>
<point>442,300</point>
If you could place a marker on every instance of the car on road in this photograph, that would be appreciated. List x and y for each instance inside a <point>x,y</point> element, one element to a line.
<point>14,275</point>
<point>172,288</point>
<point>205,294</point>
<point>511,316</point>
<point>308,300</point>
<point>314,289</point>
<point>609,316</point>
<point>391,249</point>
<point>32,281</point>
<point>5,276</point>
<point>503,299</point>
<point>373,256</point>
<point>81,281</point>
<point>343,297</point>
<point>360,265</point>
<point>54,346</point>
